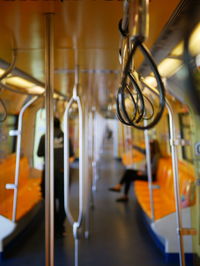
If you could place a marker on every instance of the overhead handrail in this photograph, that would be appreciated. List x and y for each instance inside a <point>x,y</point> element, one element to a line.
<point>11,66</point>
<point>173,144</point>
<point>134,31</point>
<point>18,133</point>
<point>4,75</point>
<point>5,111</point>
<point>6,87</point>
<point>75,223</point>
<point>7,72</point>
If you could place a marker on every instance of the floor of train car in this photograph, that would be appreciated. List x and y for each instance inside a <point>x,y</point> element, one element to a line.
<point>118,236</point>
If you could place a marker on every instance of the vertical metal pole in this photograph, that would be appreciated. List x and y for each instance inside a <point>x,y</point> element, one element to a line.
<point>94,163</point>
<point>88,195</point>
<point>176,183</point>
<point>49,144</point>
<point>175,176</point>
<point>149,173</point>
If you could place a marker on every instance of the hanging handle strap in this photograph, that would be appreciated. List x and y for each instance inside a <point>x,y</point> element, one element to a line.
<point>139,19</point>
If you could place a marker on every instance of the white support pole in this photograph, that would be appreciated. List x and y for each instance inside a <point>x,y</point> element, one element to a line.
<point>176,183</point>
<point>149,171</point>
<point>75,224</point>
<point>175,175</point>
<point>18,133</point>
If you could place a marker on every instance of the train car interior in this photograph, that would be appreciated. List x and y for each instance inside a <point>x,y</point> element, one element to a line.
<point>99,132</point>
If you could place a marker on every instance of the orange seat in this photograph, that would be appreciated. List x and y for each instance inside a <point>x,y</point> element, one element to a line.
<point>28,189</point>
<point>163,192</point>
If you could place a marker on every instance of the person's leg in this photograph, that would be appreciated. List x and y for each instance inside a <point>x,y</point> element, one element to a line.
<point>131,179</point>
<point>127,180</point>
<point>42,185</point>
<point>128,173</point>
<point>127,176</point>
<point>127,185</point>
<point>60,212</point>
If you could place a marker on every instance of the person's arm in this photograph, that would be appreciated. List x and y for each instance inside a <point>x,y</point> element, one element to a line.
<point>143,151</point>
<point>41,147</point>
<point>154,163</point>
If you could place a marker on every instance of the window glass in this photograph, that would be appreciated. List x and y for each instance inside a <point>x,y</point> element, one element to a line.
<point>185,129</point>
<point>39,131</point>
<point>8,143</point>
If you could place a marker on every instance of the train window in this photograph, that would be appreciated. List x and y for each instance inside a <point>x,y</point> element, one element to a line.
<point>8,143</point>
<point>185,130</point>
<point>39,131</point>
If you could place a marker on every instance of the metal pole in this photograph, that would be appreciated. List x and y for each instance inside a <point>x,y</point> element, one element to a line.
<point>88,193</point>
<point>175,175</point>
<point>149,173</point>
<point>94,162</point>
<point>18,133</point>
<point>76,224</point>
<point>176,182</point>
<point>49,144</point>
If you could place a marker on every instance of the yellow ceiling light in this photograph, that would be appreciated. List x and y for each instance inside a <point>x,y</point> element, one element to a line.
<point>178,50</point>
<point>151,81</point>
<point>56,96</point>
<point>19,82</point>
<point>168,67</point>
<point>1,71</point>
<point>36,90</point>
<point>194,44</point>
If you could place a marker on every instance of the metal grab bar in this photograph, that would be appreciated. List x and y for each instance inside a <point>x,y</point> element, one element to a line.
<point>149,171</point>
<point>175,175</point>
<point>176,183</point>
<point>93,151</point>
<point>18,133</point>
<point>127,137</point>
<point>75,224</point>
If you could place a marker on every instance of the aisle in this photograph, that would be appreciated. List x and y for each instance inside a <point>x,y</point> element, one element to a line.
<point>118,236</point>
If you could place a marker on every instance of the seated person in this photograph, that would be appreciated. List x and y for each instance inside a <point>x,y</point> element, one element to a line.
<point>131,175</point>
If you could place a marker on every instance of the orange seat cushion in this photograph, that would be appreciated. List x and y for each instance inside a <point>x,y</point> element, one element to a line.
<point>163,192</point>
<point>28,188</point>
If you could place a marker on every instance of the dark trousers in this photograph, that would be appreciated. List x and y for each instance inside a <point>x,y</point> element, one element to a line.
<point>59,210</point>
<point>130,176</point>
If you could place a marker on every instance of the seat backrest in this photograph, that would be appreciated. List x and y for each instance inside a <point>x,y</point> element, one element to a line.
<point>7,174</point>
<point>164,178</point>
<point>187,184</point>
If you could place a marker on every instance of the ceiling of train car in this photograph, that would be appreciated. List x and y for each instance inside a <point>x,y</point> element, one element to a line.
<point>86,30</point>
